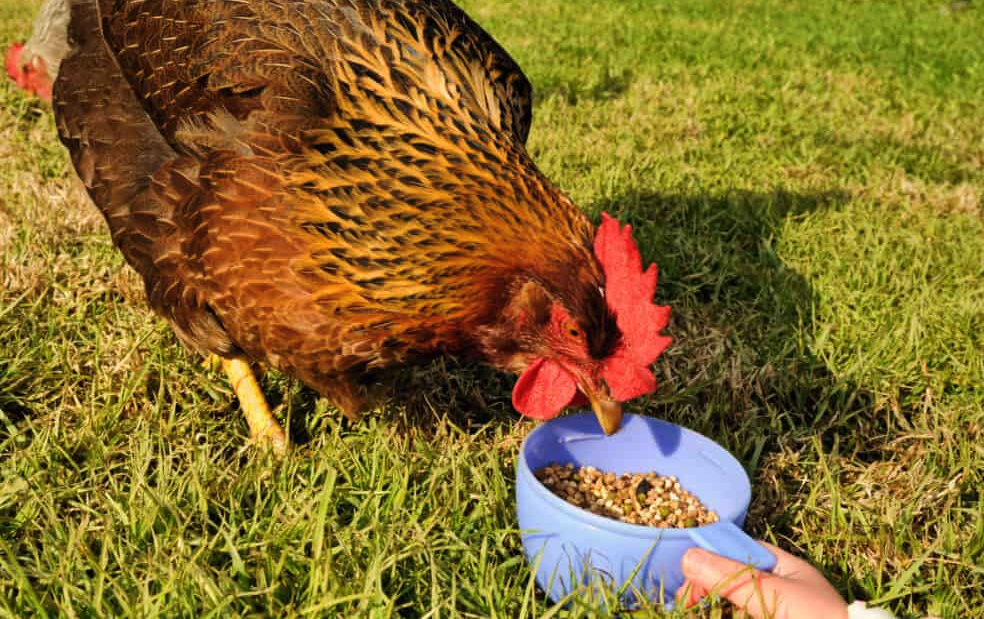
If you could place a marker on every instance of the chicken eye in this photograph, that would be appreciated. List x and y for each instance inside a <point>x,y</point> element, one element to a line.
<point>572,330</point>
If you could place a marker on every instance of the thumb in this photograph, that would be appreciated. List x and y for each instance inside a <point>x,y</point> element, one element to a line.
<point>741,584</point>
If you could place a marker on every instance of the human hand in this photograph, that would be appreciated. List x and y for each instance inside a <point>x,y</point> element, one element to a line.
<point>793,590</point>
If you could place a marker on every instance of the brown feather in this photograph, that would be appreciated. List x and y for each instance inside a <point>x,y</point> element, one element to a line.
<point>330,186</point>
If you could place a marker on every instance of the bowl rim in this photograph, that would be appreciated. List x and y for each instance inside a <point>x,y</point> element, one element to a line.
<point>610,524</point>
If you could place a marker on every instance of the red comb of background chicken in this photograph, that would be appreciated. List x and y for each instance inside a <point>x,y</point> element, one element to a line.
<point>545,388</point>
<point>31,75</point>
<point>11,61</point>
<point>629,292</point>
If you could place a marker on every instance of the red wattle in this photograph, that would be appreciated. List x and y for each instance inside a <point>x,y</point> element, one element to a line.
<point>544,390</point>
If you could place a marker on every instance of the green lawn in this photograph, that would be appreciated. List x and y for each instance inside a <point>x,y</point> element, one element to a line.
<point>808,176</point>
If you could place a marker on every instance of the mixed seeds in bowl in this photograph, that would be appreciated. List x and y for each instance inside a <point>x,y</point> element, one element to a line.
<point>637,498</point>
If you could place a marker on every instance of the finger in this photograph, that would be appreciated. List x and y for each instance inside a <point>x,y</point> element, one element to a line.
<point>743,585</point>
<point>707,569</point>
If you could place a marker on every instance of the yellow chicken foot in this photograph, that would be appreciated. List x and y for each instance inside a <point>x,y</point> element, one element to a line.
<point>263,428</point>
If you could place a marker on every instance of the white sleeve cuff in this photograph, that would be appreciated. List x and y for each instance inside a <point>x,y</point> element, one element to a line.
<point>859,610</point>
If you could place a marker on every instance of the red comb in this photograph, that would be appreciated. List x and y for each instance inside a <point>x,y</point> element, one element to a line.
<point>11,61</point>
<point>629,291</point>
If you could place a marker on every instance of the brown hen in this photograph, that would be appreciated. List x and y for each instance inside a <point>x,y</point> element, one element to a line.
<point>334,187</point>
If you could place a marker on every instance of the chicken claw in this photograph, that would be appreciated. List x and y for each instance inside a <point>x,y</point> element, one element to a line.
<point>263,428</point>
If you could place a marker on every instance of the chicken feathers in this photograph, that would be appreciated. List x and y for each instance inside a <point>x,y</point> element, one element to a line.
<point>330,186</point>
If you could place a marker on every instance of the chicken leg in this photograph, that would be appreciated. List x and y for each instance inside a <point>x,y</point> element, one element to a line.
<point>263,428</point>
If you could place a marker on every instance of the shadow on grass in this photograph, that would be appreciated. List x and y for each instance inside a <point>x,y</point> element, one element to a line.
<point>742,319</point>
<point>466,393</point>
<point>741,316</point>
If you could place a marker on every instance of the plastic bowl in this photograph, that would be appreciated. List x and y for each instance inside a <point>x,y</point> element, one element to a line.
<point>569,546</point>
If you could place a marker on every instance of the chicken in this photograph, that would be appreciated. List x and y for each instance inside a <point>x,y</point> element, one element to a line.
<point>34,65</point>
<point>338,187</point>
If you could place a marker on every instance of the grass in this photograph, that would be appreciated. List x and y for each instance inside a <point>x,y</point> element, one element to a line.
<point>807,175</point>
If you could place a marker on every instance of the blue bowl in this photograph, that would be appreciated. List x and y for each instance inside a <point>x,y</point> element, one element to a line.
<point>570,547</point>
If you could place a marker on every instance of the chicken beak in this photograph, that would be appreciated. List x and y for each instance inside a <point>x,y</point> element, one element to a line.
<point>607,410</point>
